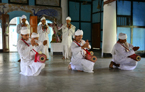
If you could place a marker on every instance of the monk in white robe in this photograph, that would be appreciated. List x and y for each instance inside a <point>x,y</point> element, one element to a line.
<point>39,45</point>
<point>22,25</point>
<point>43,30</point>
<point>67,32</point>
<point>27,65</point>
<point>78,61</point>
<point>120,53</point>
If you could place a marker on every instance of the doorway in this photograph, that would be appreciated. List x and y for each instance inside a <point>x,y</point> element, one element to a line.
<point>96,36</point>
<point>13,36</point>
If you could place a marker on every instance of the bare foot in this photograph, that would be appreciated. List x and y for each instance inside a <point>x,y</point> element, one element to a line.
<point>69,67</point>
<point>80,71</point>
<point>19,60</point>
<point>111,65</point>
<point>63,57</point>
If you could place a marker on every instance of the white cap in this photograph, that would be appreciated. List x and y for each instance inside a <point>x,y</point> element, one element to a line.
<point>79,32</point>
<point>23,17</point>
<point>122,36</point>
<point>68,18</point>
<point>43,18</point>
<point>25,30</point>
<point>34,35</point>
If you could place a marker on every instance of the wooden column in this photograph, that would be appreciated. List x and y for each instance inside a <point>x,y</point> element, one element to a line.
<point>33,24</point>
<point>5,33</point>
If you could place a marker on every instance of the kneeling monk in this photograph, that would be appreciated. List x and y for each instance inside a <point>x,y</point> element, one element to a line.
<point>26,49</point>
<point>121,52</point>
<point>78,61</point>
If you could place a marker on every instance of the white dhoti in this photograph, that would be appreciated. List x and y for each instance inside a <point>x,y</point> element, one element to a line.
<point>78,61</point>
<point>67,39</point>
<point>66,51</point>
<point>120,56</point>
<point>82,64</point>
<point>27,55</point>
<point>127,64</point>
<point>31,69</point>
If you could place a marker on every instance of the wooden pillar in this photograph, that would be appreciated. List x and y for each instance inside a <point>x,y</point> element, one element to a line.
<point>5,32</point>
<point>33,24</point>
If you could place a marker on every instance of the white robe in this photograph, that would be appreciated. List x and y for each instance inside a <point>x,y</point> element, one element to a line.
<point>120,56</point>
<point>19,27</point>
<point>43,35</point>
<point>78,61</point>
<point>27,55</point>
<point>67,39</point>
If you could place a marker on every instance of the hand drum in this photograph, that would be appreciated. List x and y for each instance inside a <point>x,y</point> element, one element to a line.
<point>41,58</point>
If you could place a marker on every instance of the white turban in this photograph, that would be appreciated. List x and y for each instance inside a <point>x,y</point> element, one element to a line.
<point>79,32</point>
<point>25,31</point>
<point>122,36</point>
<point>43,18</point>
<point>68,18</point>
<point>23,17</point>
<point>34,35</point>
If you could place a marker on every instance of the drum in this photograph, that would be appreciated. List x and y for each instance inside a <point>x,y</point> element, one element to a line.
<point>135,57</point>
<point>41,58</point>
<point>91,58</point>
<point>92,53</point>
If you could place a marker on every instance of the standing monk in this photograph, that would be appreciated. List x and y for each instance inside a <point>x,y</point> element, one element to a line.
<point>22,25</point>
<point>43,30</point>
<point>67,32</point>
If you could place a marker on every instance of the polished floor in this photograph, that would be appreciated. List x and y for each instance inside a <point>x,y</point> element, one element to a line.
<point>57,78</point>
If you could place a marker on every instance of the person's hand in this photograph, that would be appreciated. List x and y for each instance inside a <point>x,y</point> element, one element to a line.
<point>24,25</point>
<point>46,27</point>
<point>69,26</point>
<point>86,45</point>
<point>87,42</point>
<point>135,48</point>
<point>36,44</point>
<point>45,42</point>
<point>32,42</point>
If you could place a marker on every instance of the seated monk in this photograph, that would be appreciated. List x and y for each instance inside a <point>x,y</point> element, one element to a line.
<point>78,61</point>
<point>26,49</point>
<point>39,45</point>
<point>121,52</point>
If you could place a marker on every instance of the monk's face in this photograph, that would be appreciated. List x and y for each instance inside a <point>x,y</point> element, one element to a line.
<point>68,21</point>
<point>43,21</point>
<point>78,38</point>
<point>23,20</point>
<point>25,37</point>
<point>122,40</point>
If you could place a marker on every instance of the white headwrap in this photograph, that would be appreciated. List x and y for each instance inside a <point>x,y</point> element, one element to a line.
<point>43,18</point>
<point>122,36</point>
<point>34,35</point>
<point>79,32</point>
<point>25,31</point>
<point>68,18</point>
<point>23,17</point>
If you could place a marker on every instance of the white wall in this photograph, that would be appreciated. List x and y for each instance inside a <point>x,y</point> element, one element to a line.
<point>109,27</point>
<point>64,5</point>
